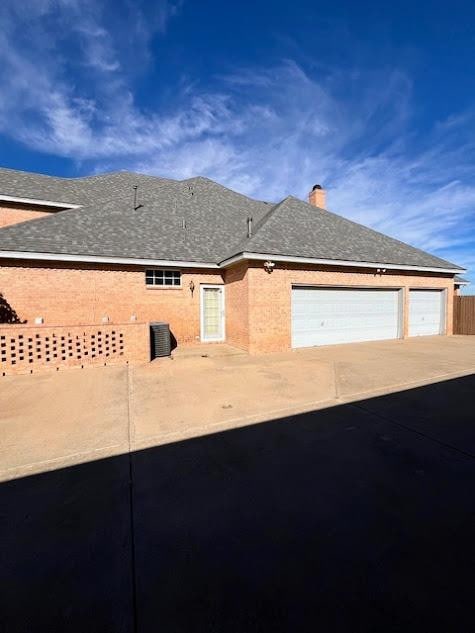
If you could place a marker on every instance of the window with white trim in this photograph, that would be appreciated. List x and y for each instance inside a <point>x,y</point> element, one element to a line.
<point>166,278</point>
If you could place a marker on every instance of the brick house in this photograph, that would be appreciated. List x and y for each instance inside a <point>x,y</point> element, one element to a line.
<point>215,264</point>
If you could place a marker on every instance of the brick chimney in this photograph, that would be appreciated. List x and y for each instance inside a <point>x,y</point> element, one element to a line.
<point>317,196</point>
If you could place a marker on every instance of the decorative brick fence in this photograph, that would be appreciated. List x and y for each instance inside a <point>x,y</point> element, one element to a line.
<point>28,349</point>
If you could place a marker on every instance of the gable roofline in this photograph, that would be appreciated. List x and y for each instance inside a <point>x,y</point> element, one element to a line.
<point>66,257</point>
<point>39,203</point>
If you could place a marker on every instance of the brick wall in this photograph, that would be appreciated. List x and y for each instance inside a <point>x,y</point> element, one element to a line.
<point>15,213</point>
<point>33,349</point>
<point>269,297</point>
<point>66,294</point>
<point>258,304</point>
<point>237,306</point>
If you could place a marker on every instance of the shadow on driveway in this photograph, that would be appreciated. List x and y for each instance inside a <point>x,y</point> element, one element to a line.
<point>360,517</point>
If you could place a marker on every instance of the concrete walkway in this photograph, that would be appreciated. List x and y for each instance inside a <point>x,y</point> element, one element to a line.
<point>65,418</point>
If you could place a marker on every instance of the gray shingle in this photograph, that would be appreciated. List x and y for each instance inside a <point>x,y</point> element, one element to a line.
<point>214,217</point>
<point>84,191</point>
<point>295,228</point>
<point>108,224</point>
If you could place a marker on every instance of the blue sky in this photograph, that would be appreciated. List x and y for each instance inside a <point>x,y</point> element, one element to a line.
<point>374,100</point>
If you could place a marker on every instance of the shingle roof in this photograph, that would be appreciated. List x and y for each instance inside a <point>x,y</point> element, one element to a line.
<point>460,280</point>
<point>214,217</point>
<point>86,190</point>
<point>108,224</point>
<point>296,228</point>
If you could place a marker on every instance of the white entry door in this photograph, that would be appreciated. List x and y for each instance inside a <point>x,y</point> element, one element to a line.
<point>212,313</point>
<point>426,312</point>
<point>325,316</point>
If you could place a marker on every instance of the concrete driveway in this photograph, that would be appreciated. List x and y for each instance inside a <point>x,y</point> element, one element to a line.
<point>64,418</point>
<point>355,518</point>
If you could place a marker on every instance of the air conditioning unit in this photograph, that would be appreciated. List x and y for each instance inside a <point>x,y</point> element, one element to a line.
<point>160,339</point>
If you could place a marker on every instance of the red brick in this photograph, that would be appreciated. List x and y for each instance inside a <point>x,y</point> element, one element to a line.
<point>258,304</point>
<point>12,213</point>
<point>82,294</point>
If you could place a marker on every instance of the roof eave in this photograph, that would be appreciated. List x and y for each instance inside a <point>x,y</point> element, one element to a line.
<point>38,202</point>
<point>102,259</point>
<point>66,257</point>
<point>335,262</point>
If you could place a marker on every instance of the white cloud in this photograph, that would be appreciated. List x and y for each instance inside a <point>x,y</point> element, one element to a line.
<point>63,91</point>
<point>267,132</point>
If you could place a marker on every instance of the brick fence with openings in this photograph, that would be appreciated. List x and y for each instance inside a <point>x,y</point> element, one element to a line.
<point>27,349</point>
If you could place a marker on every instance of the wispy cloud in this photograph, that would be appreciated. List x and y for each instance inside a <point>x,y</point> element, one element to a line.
<point>291,131</point>
<point>63,89</point>
<point>268,132</point>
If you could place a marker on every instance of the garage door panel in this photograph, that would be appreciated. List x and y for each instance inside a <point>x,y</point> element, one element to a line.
<point>426,312</point>
<point>332,336</point>
<point>327,316</point>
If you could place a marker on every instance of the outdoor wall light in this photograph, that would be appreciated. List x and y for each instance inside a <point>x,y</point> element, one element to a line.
<point>191,286</point>
<point>269,266</point>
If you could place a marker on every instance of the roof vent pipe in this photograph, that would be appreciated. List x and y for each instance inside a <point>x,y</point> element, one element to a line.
<point>136,205</point>
<point>249,226</point>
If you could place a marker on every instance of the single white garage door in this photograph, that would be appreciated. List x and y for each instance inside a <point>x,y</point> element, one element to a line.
<point>426,312</point>
<point>324,316</point>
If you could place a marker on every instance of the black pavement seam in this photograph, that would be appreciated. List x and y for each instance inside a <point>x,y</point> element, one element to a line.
<point>408,428</point>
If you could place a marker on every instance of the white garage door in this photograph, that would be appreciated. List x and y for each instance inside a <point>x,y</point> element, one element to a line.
<point>324,316</point>
<point>426,312</point>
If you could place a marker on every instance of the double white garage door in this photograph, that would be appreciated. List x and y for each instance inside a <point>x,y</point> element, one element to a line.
<point>325,316</point>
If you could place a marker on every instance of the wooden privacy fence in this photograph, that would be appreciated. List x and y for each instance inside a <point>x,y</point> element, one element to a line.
<point>464,315</point>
